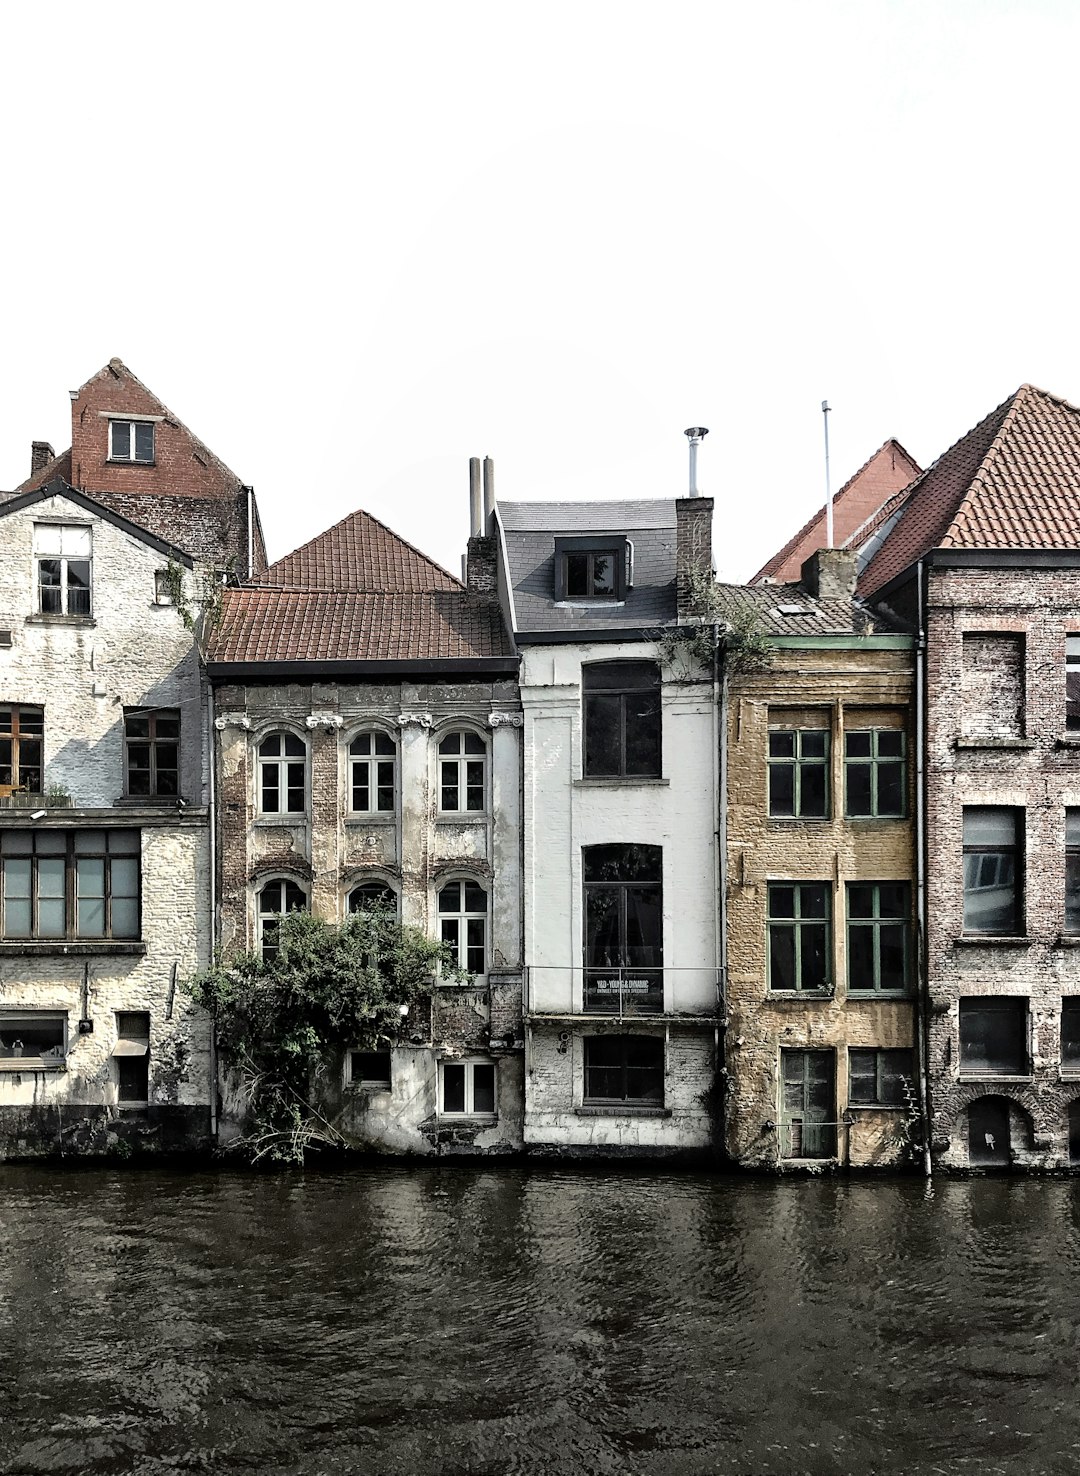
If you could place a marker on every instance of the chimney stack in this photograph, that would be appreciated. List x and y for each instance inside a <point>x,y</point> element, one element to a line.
<point>482,559</point>
<point>830,574</point>
<point>476,514</point>
<point>41,453</point>
<point>696,434</point>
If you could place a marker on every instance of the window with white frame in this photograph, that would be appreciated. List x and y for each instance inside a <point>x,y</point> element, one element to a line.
<point>463,907</point>
<point>282,775</point>
<point>275,899</point>
<point>62,558</point>
<point>33,1040</point>
<point>467,1088</point>
<point>132,440</point>
<point>462,773</point>
<point>373,774</point>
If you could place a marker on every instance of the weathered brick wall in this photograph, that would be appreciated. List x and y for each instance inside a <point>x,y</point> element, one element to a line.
<point>837,689</point>
<point>1038,773</point>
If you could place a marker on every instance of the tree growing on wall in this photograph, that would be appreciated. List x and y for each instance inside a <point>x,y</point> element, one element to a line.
<point>282,1022</point>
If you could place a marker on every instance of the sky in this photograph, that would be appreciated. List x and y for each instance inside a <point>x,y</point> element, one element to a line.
<point>352,246</point>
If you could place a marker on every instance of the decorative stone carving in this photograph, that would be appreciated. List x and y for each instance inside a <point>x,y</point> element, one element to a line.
<point>414,719</point>
<point>328,720</point>
<point>506,719</point>
<point>232,720</point>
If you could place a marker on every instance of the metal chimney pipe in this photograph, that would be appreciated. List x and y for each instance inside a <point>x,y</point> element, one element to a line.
<point>489,493</point>
<point>828,485</point>
<point>476,511</point>
<point>697,434</point>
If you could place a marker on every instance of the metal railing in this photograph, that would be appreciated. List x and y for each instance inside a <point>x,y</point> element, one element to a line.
<point>622,990</point>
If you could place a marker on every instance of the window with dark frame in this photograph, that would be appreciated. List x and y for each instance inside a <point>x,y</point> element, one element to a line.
<point>64,884</point>
<point>132,1054</point>
<point>370,1069</point>
<point>375,896</point>
<point>994,1037</point>
<point>1072,871</point>
<point>798,929</point>
<point>33,1040</point>
<point>622,720</point>
<point>1070,1033</point>
<point>468,1088</point>
<point>282,766</point>
<point>798,773</point>
<point>462,773</point>
<point>277,898</point>
<point>874,777</point>
<point>624,1070</point>
<point>880,1078</point>
<point>807,1104</point>
<point>22,735</point>
<point>993,868</point>
<point>373,774</point>
<point>591,574</point>
<point>1072,684</point>
<point>463,909</point>
<point>878,927</point>
<point>132,440</point>
<point>62,556</point>
<point>624,929</point>
<point>152,752</point>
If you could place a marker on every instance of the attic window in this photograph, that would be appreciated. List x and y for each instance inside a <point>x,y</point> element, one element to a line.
<point>790,610</point>
<point>132,440</point>
<point>593,568</point>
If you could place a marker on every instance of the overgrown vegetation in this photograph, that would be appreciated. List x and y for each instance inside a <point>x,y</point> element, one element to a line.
<point>283,1023</point>
<point>197,596</point>
<point>743,641</point>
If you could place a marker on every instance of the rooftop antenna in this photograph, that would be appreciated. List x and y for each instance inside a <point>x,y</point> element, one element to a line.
<point>696,434</point>
<point>828,489</point>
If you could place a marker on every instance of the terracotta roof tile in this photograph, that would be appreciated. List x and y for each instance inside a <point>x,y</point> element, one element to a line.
<point>59,466</point>
<point>1012,482</point>
<point>319,625</point>
<point>359,553</point>
<point>890,469</point>
<point>788,610</point>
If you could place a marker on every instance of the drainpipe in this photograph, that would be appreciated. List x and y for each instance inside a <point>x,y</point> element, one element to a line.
<point>922,1014</point>
<point>211,796</point>
<point>720,869</point>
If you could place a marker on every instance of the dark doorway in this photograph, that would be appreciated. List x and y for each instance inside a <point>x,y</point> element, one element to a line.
<point>988,1133</point>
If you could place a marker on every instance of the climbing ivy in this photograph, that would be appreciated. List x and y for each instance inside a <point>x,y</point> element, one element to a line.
<point>736,629</point>
<point>283,1022</point>
<point>197,597</point>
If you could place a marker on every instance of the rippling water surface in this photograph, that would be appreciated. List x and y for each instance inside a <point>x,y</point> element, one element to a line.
<point>423,1320</point>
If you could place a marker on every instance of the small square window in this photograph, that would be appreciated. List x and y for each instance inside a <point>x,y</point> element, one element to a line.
<point>468,1088</point>
<point>880,1078</point>
<point>370,1070</point>
<point>591,568</point>
<point>994,1037</point>
<point>132,440</point>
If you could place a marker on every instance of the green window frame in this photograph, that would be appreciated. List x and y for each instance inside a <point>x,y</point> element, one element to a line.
<point>875,773</point>
<point>876,1078</point>
<point>799,936</point>
<point>798,773</point>
<point>878,937</point>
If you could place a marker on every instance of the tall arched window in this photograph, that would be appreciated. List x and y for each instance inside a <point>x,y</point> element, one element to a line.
<point>374,896</point>
<point>275,899</point>
<point>462,773</point>
<point>372,774</point>
<point>282,775</point>
<point>463,909</point>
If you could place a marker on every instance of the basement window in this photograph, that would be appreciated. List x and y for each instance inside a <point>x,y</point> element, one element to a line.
<point>624,1070</point>
<point>132,440</point>
<point>370,1070</point>
<point>468,1088</point>
<point>33,1041</point>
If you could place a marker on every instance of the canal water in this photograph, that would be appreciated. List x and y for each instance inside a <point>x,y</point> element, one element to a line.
<point>444,1320</point>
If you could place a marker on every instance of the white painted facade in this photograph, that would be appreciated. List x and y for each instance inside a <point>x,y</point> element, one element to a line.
<point>131,651</point>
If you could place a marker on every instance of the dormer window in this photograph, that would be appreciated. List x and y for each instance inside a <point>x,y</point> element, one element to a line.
<point>132,440</point>
<point>591,568</point>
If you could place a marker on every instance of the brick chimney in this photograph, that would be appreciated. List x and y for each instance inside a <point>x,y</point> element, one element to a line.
<point>481,565</point>
<point>41,453</point>
<point>693,549</point>
<point>830,574</point>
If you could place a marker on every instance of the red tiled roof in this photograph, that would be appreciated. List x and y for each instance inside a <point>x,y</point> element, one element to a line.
<point>1012,482</point>
<point>59,466</point>
<point>359,553</point>
<point>320,625</point>
<point>890,469</point>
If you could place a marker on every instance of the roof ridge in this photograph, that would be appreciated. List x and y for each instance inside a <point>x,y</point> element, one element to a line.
<point>359,512</point>
<point>977,482</point>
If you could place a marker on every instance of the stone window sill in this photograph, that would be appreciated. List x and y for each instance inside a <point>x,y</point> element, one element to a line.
<point>287,817</point>
<point>990,940</point>
<point>1069,1073</point>
<point>1067,940</point>
<point>151,801</point>
<point>127,461</point>
<point>1069,740</point>
<point>995,743</point>
<point>30,1063</point>
<point>59,948</point>
<point>788,996</point>
<point>80,620</point>
<point>876,1107</point>
<point>620,1109</point>
<point>879,994</point>
<point>470,1119</point>
<point>993,1076</point>
<point>620,781</point>
<point>358,821</point>
<point>783,820</point>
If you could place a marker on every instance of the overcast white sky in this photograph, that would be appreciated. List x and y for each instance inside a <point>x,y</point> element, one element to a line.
<point>351,246</point>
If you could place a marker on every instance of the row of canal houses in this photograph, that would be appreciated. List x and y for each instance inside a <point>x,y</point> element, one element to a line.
<point>784,874</point>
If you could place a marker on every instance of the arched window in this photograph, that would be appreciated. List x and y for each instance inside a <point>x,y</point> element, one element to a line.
<point>372,774</point>
<point>276,898</point>
<point>463,907</point>
<point>462,773</point>
<point>375,896</point>
<point>282,777</point>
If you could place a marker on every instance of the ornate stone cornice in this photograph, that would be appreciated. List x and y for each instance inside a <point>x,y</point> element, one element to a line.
<point>414,719</point>
<point>506,719</point>
<point>327,720</point>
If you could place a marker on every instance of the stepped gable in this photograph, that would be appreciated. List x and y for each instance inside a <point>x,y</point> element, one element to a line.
<point>357,593</point>
<point>1012,482</point>
<point>359,553</point>
<point>888,472</point>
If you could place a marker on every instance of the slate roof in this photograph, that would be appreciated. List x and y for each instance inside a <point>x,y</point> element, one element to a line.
<point>1012,482</point>
<point>888,471</point>
<point>357,593</point>
<point>787,610</point>
<point>529,530</point>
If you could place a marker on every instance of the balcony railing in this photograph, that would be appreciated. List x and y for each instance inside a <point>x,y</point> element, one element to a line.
<point>622,991</point>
